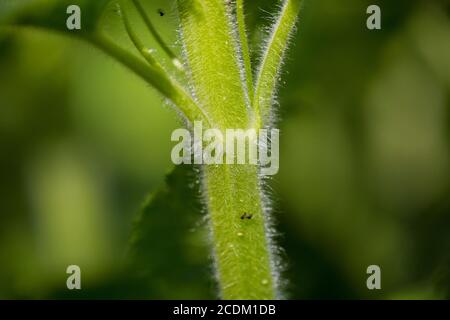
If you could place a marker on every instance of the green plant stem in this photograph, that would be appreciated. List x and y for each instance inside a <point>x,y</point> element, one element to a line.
<point>144,51</point>
<point>233,193</point>
<point>155,76</point>
<point>241,248</point>
<point>244,47</point>
<point>272,60</point>
<point>156,35</point>
<point>242,252</point>
<point>211,51</point>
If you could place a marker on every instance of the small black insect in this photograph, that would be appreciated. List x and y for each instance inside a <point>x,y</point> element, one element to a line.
<point>246,215</point>
<point>161,13</point>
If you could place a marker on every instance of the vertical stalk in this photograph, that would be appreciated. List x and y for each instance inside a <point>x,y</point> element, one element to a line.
<point>210,50</point>
<point>232,191</point>
<point>272,60</point>
<point>240,17</point>
<point>242,255</point>
<point>155,76</point>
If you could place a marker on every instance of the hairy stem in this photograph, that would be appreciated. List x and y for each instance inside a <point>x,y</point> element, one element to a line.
<point>272,60</point>
<point>242,252</point>
<point>215,71</point>
<point>155,76</point>
<point>144,51</point>
<point>244,47</point>
<point>232,191</point>
<point>223,93</point>
<point>156,35</point>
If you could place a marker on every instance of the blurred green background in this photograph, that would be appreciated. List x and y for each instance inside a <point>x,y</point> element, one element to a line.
<point>364,166</point>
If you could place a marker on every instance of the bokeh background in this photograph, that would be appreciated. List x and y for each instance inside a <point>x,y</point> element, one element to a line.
<point>364,168</point>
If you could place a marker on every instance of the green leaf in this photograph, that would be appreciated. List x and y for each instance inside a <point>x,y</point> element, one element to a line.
<point>170,232</point>
<point>51,13</point>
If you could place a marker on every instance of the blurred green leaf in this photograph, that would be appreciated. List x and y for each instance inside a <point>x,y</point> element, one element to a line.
<point>169,251</point>
<point>50,13</point>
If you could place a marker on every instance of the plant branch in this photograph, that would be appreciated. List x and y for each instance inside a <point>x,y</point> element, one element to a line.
<point>233,193</point>
<point>145,52</point>
<point>176,62</point>
<point>272,60</point>
<point>243,254</point>
<point>211,50</point>
<point>244,47</point>
<point>155,76</point>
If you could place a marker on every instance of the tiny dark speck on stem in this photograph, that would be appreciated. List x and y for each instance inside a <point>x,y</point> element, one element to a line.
<point>246,215</point>
<point>161,13</point>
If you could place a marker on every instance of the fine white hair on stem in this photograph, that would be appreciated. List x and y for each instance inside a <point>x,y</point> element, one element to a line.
<point>234,27</point>
<point>272,59</point>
